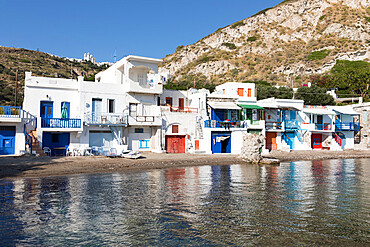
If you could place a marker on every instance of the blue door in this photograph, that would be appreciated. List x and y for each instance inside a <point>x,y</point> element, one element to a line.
<point>291,135</point>
<point>46,112</point>
<point>7,140</point>
<point>218,115</point>
<point>54,140</point>
<point>221,142</point>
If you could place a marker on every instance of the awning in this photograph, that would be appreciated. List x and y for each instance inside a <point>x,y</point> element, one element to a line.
<point>345,110</point>
<point>251,107</point>
<point>318,111</point>
<point>224,105</point>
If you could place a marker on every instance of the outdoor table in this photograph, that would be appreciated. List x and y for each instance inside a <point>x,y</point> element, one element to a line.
<point>61,149</point>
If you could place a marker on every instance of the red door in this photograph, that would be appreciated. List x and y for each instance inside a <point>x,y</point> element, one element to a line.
<point>181,104</point>
<point>316,141</point>
<point>175,144</point>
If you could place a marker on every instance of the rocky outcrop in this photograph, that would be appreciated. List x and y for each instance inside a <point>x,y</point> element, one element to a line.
<point>252,149</point>
<point>278,41</point>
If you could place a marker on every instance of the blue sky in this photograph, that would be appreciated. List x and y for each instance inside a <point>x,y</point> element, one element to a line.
<point>146,28</point>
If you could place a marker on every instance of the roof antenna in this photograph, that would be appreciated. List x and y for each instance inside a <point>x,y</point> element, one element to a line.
<point>115,55</point>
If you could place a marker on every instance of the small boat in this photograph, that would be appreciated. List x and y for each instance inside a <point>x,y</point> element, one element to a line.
<point>131,154</point>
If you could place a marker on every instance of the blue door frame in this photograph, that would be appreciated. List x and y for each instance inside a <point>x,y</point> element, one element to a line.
<point>55,140</point>
<point>221,146</point>
<point>46,111</point>
<point>7,140</point>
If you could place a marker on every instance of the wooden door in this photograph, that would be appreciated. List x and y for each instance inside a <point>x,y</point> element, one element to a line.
<point>241,92</point>
<point>175,144</point>
<point>271,140</point>
<point>181,104</point>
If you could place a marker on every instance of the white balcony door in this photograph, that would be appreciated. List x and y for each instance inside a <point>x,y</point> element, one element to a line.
<point>96,109</point>
<point>96,105</point>
<point>147,110</point>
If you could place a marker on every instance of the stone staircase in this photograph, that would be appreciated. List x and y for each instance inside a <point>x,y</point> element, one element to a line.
<point>35,144</point>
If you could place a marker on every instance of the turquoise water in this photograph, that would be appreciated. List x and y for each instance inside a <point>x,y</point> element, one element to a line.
<point>303,203</point>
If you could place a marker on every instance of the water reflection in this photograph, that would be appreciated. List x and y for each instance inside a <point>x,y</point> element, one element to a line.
<point>297,203</point>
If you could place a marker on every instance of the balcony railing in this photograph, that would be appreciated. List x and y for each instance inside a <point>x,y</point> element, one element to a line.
<point>273,125</point>
<point>322,126</point>
<point>291,124</point>
<point>183,109</point>
<point>222,124</point>
<point>60,123</point>
<point>105,119</point>
<point>10,111</point>
<point>350,126</point>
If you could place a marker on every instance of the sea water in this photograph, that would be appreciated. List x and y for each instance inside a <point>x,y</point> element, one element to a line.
<point>295,204</point>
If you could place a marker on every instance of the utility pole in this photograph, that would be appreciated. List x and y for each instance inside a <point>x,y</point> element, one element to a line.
<point>16,87</point>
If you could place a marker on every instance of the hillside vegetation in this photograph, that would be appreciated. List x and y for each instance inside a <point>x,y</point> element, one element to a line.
<point>40,64</point>
<point>284,45</point>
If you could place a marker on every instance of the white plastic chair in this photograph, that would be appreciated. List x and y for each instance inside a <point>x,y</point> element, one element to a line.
<point>47,151</point>
<point>69,151</point>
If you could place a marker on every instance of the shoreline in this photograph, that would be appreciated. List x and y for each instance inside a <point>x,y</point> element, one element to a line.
<point>31,166</point>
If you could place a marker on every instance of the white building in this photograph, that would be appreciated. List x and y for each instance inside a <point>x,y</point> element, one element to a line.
<point>118,110</point>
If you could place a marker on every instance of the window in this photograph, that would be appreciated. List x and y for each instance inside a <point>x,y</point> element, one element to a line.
<point>144,143</point>
<point>55,138</point>
<point>110,105</point>
<point>175,128</point>
<point>139,130</point>
<point>241,92</point>
<point>169,101</point>
<point>133,109</point>
<point>141,78</point>
<point>249,92</point>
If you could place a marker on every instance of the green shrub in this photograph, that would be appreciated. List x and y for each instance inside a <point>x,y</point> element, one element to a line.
<point>237,24</point>
<point>367,18</point>
<point>318,55</point>
<point>322,17</point>
<point>251,39</point>
<point>231,46</point>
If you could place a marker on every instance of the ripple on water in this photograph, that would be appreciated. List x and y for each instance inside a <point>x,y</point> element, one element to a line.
<point>296,203</point>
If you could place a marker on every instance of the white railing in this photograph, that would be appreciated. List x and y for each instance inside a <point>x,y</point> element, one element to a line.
<point>105,119</point>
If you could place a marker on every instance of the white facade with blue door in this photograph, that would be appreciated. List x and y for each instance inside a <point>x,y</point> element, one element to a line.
<point>118,109</point>
<point>347,124</point>
<point>14,125</point>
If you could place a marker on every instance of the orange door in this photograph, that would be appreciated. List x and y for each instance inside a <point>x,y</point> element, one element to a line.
<point>249,92</point>
<point>196,145</point>
<point>271,140</point>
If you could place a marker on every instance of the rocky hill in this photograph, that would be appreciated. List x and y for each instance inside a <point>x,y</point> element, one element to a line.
<point>39,63</point>
<point>284,44</point>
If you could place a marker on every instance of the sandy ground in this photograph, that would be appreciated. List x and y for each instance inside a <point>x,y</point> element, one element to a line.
<point>31,166</point>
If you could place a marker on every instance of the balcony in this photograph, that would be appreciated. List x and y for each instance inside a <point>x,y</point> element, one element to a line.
<point>222,124</point>
<point>274,125</point>
<point>291,125</point>
<point>107,119</point>
<point>147,87</point>
<point>347,126</point>
<point>183,109</point>
<point>322,126</point>
<point>10,114</point>
<point>61,123</point>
